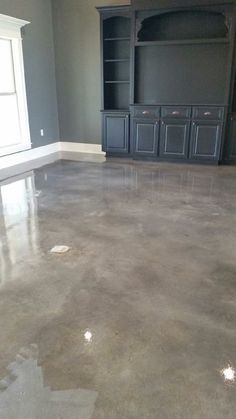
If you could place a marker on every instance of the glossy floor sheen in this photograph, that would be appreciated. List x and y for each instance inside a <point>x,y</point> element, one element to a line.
<point>139,318</point>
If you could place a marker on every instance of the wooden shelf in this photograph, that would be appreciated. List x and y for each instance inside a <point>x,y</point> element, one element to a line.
<point>117,82</point>
<point>117,39</point>
<point>184,42</point>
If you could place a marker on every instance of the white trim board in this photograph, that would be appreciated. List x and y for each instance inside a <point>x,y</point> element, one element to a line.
<point>10,35</point>
<point>81,147</point>
<point>82,152</point>
<point>11,26</point>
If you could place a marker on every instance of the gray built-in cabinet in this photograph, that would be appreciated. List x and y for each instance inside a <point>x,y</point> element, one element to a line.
<point>230,146</point>
<point>116,133</point>
<point>174,139</point>
<point>145,137</point>
<point>168,80</point>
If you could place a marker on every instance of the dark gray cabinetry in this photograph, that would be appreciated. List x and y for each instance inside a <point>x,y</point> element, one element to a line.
<point>230,146</point>
<point>177,132</point>
<point>115,70</point>
<point>174,139</point>
<point>116,133</point>
<point>208,113</point>
<point>205,140</point>
<point>172,66</point>
<point>145,137</point>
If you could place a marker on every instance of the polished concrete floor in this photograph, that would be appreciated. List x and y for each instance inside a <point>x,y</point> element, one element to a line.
<point>138,319</point>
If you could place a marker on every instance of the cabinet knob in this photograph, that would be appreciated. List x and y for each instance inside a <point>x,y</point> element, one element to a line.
<point>207,113</point>
<point>175,113</point>
<point>145,112</point>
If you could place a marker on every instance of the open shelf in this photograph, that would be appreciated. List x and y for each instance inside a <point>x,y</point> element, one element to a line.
<point>116,27</point>
<point>117,71</point>
<point>117,60</point>
<point>117,50</point>
<point>116,96</point>
<point>181,73</point>
<point>185,42</point>
<point>126,110</point>
<point>116,47</point>
<point>171,26</point>
<point>116,81</point>
<point>117,39</point>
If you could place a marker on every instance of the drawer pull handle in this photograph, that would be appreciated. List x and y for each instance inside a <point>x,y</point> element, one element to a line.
<point>207,113</point>
<point>145,112</point>
<point>175,113</point>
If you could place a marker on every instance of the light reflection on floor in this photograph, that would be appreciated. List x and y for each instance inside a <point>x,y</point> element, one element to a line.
<point>23,394</point>
<point>19,222</point>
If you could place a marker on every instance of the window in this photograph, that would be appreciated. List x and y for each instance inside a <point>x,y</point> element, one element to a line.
<point>14,124</point>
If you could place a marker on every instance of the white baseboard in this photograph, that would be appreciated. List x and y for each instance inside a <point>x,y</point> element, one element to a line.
<point>14,164</point>
<point>17,163</point>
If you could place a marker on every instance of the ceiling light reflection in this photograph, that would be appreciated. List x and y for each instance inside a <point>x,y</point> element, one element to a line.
<point>228,374</point>
<point>88,336</point>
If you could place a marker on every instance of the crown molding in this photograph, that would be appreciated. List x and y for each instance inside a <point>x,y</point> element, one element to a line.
<point>11,26</point>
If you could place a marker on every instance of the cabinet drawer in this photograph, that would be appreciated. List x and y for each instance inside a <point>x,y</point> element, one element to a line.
<point>205,112</point>
<point>175,112</point>
<point>146,112</point>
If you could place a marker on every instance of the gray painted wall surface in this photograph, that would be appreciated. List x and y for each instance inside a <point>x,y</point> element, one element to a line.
<point>77,50</point>
<point>39,66</point>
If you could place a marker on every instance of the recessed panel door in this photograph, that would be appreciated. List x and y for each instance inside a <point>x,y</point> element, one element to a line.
<point>174,139</point>
<point>145,137</point>
<point>205,140</point>
<point>116,133</point>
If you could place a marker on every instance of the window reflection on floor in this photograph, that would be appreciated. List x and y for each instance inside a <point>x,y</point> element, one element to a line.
<point>18,224</point>
<point>23,393</point>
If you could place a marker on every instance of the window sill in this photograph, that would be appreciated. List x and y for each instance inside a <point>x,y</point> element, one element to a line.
<point>8,151</point>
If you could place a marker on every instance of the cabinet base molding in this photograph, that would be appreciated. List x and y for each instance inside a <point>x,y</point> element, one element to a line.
<point>81,152</point>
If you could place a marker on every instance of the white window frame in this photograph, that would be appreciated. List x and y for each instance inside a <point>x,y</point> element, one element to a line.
<point>10,29</point>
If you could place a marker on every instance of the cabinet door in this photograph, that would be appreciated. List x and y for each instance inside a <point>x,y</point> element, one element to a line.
<point>230,147</point>
<point>206,137</point>
<point>116,133</point>
<point>145,137</point>
<point>174,139</point>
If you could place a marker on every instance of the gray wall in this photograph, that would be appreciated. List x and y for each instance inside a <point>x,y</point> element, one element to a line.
<point>77,50</point>
<point>39,66</point>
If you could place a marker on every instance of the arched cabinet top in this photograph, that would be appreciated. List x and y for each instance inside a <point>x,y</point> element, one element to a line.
<point>182,25</point>
<point>116,26</point>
